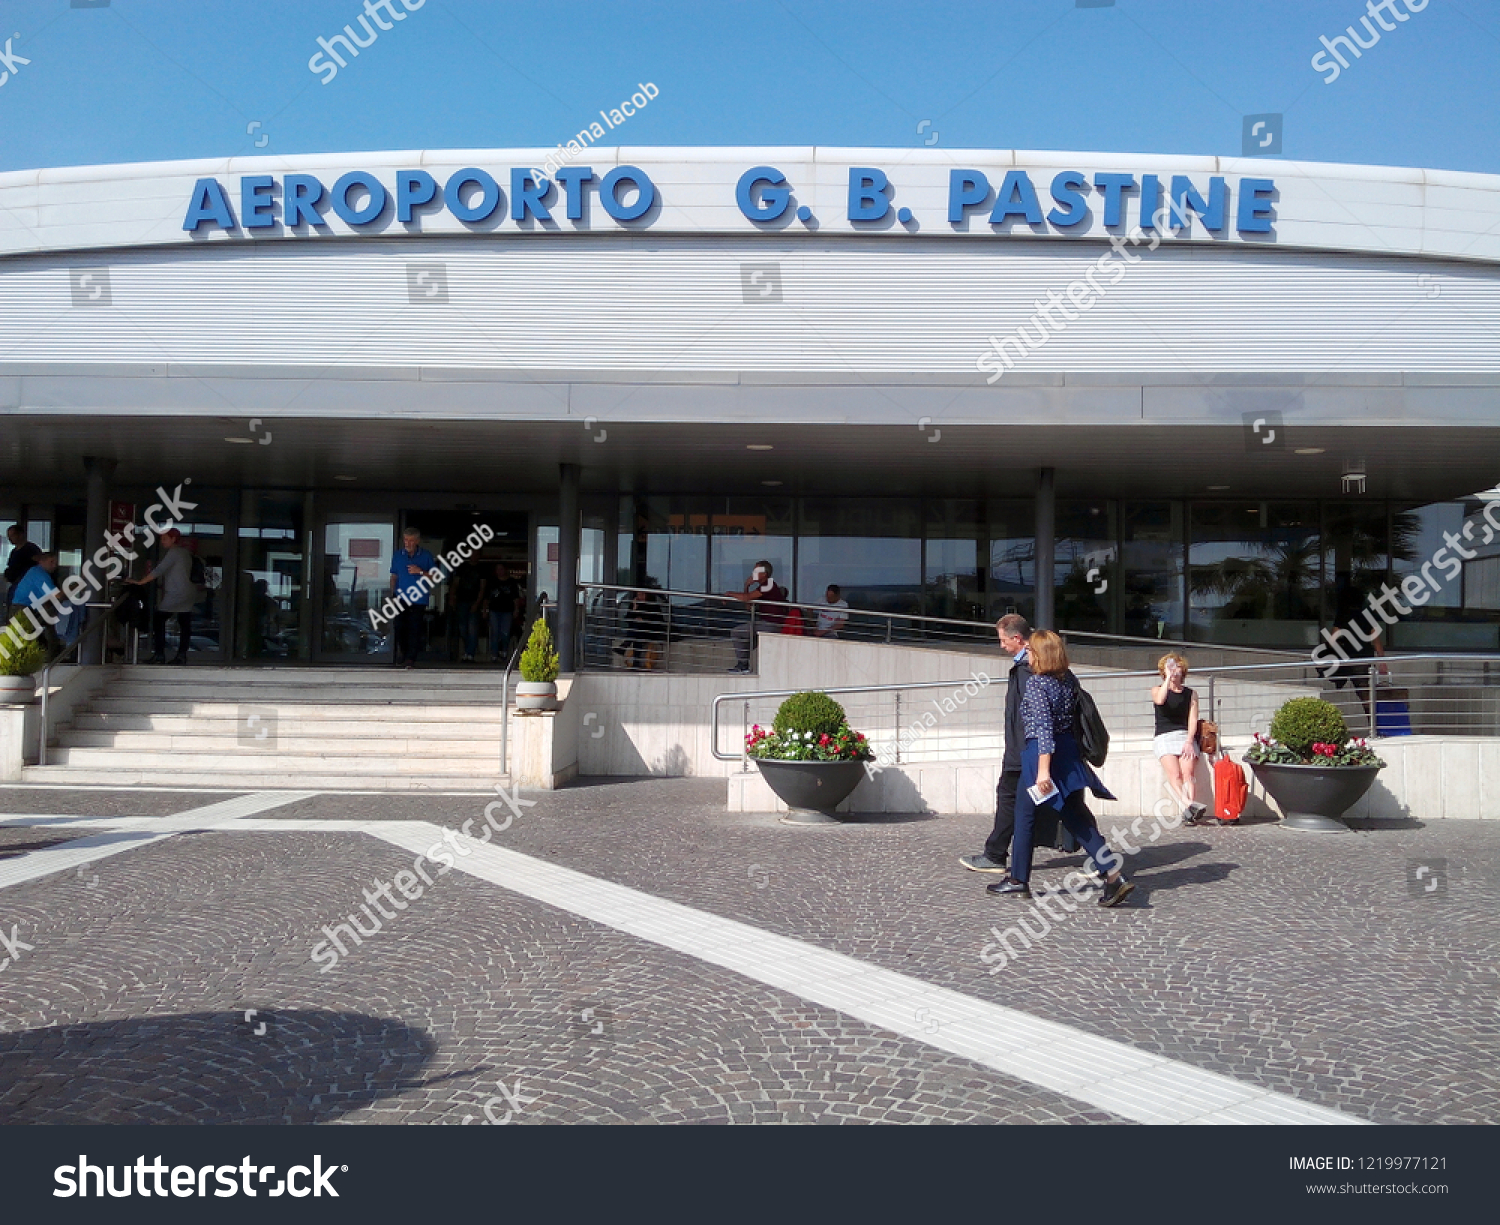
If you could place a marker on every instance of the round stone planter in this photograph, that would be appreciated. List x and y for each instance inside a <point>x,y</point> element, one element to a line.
<point>17,690</point>
<point>811,790</point>
<point>536,695</point>
<point>1313,796</point>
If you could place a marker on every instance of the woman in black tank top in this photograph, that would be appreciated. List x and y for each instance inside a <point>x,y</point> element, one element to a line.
<point>1176,743</point>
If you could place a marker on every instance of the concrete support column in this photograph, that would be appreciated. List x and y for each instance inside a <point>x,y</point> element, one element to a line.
<point>569,533</point>
<point>1046,549</point>
<point>95,527</point>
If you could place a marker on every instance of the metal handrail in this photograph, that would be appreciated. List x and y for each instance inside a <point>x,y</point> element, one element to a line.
<point>986,627</point>
<point>746,696</point>
<point>92,627</point>
<point>505,714</point>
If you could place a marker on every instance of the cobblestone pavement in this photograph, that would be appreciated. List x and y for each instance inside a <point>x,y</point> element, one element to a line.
<point>1319,966</point>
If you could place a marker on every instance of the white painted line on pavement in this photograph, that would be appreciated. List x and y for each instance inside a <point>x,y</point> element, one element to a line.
<point>1098,1071</point>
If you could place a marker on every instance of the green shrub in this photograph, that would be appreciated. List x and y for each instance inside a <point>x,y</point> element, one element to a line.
<point>539,659</point>
<point>809,712</point>
<point>18,656</point>
<point>1304,722</point>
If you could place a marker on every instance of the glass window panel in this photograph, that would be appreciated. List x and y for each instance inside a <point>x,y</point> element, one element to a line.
<point>271,595</point>
<point>1151,570</point>
<point>356,578</point>
<point>871,549</point>
<point>1441,549</point>
<point>1255,573</point>
<point>744,531</point>
<point>1012,558</point>
<point>953,578</point>
<point>1084,563</point>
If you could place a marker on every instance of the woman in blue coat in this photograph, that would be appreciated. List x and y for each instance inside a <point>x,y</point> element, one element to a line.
<point>1051,763</point>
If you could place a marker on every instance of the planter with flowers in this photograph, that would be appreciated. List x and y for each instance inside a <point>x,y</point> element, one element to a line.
<point>1311,766</point>
<point>810,757</point>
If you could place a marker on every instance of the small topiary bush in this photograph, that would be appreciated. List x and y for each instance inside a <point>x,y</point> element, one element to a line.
<point>539,660</point>
<point>809,712</point>
<point>1304,722</point>
<point>18,656</point>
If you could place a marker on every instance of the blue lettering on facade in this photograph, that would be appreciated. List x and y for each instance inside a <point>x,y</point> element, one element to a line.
<point>762,193</point>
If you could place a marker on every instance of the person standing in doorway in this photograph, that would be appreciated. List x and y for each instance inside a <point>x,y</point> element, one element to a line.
<point>1014,632</point>
<point>468,590</point>
<point>23,555</point>
<point>409,567</point>
<point>505,604</point>
<point>174,571</point>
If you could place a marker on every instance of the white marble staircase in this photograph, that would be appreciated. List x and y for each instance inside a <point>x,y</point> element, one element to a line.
<point>374,729</point>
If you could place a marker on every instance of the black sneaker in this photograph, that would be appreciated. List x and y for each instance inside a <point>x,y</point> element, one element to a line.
<point>1010,887</point>
<point>1196,813</point>
<point>982,863</point>
<point>1116,891</point>
<point>156,659</point>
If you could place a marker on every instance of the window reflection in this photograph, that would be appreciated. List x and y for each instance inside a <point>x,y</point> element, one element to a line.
<point>872,550</point>
<point>1255,573</point>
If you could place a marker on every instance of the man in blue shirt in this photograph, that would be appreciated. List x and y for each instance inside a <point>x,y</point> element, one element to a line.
<point>414,573</point>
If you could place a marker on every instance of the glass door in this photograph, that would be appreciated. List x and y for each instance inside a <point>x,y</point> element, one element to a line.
<point>271,609</point>
<point>354,577</point>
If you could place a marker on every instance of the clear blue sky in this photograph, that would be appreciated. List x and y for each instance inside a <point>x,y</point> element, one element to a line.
<point>147,80</point>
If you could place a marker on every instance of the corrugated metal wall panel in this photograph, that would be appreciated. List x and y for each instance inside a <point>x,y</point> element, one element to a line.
<point>652,304</point>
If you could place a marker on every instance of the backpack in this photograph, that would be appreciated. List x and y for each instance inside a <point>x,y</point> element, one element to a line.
<point>196,574</point>
<point>1088,727</point>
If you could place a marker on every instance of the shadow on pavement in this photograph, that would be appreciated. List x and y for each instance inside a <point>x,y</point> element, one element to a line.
<point>251,1066</point>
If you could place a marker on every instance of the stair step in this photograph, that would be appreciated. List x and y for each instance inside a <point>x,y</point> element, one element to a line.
<point>243,760</point>
<point>290,723</point>
<point>415,712</point>
<point>208,691</point>
<point>118,776</point>
<point>229,741</point>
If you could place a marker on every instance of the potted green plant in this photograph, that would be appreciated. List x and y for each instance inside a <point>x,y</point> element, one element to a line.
<point>21,658</point>
<point>810,757</point>
<point>1311,766</point>
<point>538,687</point>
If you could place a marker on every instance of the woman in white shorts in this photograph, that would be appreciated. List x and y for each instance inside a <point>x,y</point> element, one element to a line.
<point>1176,743</point>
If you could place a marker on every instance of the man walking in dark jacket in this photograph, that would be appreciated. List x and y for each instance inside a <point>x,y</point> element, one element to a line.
<point>1013,631</point>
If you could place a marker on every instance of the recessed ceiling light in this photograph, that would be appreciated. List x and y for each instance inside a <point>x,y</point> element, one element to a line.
<point>770,482</point>
<point>346,478</point>
<point>758,446</point>
<point>239,440</point>
<point>1311,450</point>
<point>1217,488</point>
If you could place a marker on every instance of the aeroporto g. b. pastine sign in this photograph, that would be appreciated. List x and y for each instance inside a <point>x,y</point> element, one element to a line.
<point>765,197</point>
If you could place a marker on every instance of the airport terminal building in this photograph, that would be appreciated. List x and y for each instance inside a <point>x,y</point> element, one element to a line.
<point>1190,398</point>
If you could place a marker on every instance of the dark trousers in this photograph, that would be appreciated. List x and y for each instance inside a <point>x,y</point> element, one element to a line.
<point>1079,822</point>
<point>409,633</point>
<point>998,845</point>
<point>159,632</point>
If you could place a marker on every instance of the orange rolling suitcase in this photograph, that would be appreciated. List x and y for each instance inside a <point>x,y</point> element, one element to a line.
<point>1230,791</point>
